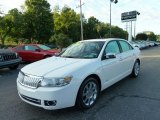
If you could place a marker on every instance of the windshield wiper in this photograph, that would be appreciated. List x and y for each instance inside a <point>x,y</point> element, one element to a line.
<point>68,56</point>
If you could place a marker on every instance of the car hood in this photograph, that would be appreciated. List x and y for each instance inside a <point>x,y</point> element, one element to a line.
<point>46,66</point>
<point>5,51</point>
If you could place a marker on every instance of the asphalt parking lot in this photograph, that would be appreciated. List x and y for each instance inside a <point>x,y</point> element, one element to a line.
<point>129,99</point>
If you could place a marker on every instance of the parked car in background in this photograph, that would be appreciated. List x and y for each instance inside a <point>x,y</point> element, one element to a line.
<point>34,52</point>
<point>146,45</point>
<point>79,74</point>
<point>141,44</point>
<point>135,44</point>
<point>154,43</point>
<point>9,59</point>
<point>157,42</point>
<point>151,44</point>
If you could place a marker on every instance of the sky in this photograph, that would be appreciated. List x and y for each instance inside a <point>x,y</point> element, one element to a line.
<point>148,20</point>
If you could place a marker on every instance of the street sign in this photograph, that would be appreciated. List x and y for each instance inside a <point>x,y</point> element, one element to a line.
<point>129,16</point>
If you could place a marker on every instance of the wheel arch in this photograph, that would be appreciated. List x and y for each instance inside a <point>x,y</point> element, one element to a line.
<point>97,78</point>
<point>89,76</point>
<point>93,76</point>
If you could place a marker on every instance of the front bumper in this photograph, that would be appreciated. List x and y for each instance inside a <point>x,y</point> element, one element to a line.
<point>10,62</point>
<point>61,96</point>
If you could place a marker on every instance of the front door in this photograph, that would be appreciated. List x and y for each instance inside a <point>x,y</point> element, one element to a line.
<point>31,54</point>
<point>111,68</point>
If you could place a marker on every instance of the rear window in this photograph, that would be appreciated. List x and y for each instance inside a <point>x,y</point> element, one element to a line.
<point>29,47</point>
<point>125,46</point>
<point>44,47</point>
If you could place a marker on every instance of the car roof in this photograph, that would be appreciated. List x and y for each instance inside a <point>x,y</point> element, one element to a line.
<point>29,44</point>
<point>105,40</point>
<point>32,44</point>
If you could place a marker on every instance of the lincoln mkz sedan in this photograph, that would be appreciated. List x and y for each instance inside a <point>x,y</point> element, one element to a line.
<point>79,74</point>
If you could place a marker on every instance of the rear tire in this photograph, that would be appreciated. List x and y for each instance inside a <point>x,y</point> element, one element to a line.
<point>88,94</point>
<point>14,67</point>
<point>136,69</point>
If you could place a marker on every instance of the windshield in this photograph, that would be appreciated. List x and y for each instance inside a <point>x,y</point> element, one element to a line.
<point>44,47</point>
<point>83,49</point>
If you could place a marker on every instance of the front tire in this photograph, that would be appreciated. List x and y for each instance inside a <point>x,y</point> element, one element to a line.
<point>88,93</point>
<point>136,69</point>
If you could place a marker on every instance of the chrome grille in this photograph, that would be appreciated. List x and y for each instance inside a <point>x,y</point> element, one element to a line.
<point>7,57</point>
<point>29,80</point>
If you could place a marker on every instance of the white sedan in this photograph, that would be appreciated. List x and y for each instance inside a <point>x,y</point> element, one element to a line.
<point>79,74</point>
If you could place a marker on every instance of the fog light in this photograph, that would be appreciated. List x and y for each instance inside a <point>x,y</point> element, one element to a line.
<point>50,103</point>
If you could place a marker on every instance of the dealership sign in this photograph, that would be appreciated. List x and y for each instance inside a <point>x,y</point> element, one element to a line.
<point>129,16</point>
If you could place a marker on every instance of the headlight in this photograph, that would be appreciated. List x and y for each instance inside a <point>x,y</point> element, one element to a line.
<point>55,82</point>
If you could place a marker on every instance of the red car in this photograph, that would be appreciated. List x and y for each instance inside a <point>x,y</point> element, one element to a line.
<point>34,52</point>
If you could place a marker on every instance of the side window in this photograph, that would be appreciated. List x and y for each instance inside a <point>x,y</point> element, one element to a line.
<point>112,47</point>
<point>29,47</point>
<point>19,48</point>
<point>125,46</point>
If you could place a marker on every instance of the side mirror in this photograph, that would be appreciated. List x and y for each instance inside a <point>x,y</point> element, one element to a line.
<point>38,50</point>
<point>110,55</point>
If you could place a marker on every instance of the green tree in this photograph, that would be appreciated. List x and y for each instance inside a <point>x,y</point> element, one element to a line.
<point>158,37</point>
<point>152,37</point>
<point>118,32</point>
<point>91,30</point>
<point>96,29</point>
<point>17,22</point>
<point>141,36</point>
<point>6,24</point>
<point>38,20</point>
<point>11,25</point>
<point>61,40</point>
<point>67,21</point>
<point>102,30</point>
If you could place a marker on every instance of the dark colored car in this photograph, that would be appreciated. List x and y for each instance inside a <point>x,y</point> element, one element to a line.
<point>34,52</point>
<point>10,59</point>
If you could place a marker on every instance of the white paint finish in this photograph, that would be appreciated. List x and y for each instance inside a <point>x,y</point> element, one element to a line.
<point>109,71</point>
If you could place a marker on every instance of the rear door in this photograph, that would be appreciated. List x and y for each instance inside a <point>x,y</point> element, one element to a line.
<point>127,57</point>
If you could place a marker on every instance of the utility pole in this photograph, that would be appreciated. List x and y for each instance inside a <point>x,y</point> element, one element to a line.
<point>81,18</point>
<point>110,32</point>
<point>126,27</point>
<point>130,33</point>
<point>114,1</point>
<point>135,26</point>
